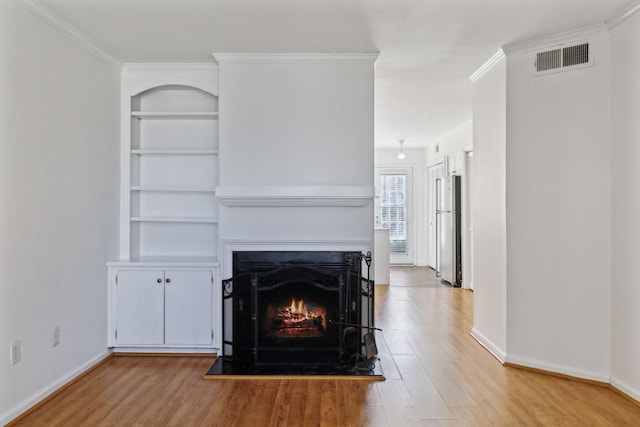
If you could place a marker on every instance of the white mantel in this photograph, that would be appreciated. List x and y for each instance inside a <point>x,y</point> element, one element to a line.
<point>294,195</point>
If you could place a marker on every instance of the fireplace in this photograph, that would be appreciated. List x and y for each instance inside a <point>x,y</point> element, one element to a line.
<point>293,308</point>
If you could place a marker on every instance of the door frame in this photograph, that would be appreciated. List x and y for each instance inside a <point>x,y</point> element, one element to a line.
<point>467,243</point>
<point>430,217</point>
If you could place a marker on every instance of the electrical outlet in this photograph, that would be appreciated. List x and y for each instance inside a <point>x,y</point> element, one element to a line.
<point>15,352</point>
<point>56,336</point>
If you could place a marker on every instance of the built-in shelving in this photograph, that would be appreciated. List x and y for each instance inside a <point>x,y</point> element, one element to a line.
<point>173,172</point>
<point>163,286</point>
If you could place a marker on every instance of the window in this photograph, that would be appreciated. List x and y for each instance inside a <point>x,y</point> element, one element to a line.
<point>393,209</point>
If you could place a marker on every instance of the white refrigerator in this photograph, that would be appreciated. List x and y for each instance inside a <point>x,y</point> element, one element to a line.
<point>449,242</point>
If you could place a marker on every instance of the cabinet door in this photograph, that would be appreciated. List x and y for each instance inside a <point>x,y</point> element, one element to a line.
<point>188,307</point>
<point>140,307</point>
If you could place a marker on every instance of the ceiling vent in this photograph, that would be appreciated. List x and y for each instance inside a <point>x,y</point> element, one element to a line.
<point>563,59</point>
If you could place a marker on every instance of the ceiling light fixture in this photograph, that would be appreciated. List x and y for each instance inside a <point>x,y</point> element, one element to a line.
<point>401,155</point>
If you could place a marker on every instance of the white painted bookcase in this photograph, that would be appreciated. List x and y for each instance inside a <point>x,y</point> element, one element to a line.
<point>162,289</point>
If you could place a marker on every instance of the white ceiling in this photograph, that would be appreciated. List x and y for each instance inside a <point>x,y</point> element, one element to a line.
<point>428,48</point>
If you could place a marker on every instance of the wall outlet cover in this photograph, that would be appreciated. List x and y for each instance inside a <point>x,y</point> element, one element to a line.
<point>56,336</point>
<point>15,352</point>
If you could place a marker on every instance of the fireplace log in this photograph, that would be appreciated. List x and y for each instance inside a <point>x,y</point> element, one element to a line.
<point>315,323</point>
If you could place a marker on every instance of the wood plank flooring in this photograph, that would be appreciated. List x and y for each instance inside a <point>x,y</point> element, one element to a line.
<point>437,375</point>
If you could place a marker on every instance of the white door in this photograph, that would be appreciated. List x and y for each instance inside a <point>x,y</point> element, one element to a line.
<point>469,222</point>
<point>394,211</point>
<point>434,173</point>
<point>140,307</point>
<point>188,307</point>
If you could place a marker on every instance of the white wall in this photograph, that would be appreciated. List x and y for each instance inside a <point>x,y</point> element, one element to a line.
<point>559,216</point>
<point>453,142</point>
<point>311,123</point>
<point>58,205</point>
<point>490,244</point>
<point>625,298</point>
<point>416,159</point>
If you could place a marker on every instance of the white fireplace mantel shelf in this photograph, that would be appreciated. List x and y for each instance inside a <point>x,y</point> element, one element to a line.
<point>292,195</point>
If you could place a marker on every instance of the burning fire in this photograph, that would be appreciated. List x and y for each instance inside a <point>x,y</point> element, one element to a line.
<point>298,319</point>
<point>298,310</point>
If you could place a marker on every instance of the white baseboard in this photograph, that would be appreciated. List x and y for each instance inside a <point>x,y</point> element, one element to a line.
<point>625,388</point>
<point>558,369</point>
<point>489,345</point>
<point>165,350</point>
<point>48,390</point>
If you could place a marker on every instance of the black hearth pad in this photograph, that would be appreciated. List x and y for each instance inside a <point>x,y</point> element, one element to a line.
<point>223,368</point>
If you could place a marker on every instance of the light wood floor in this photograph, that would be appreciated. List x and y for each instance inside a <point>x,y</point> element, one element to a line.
<point>437,375</point>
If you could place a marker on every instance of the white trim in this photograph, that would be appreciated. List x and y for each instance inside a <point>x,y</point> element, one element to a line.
<point>151,349</point>
<point>169,67</point>
<point>293,58</point>
<point>489,345</point>
<point>436,162</point>
<point>549,367</point>
<point>293,195</point>
<point>468,148</point>
<point>552,40</point>
<point>63,27</point>
<point>625,388</point>
<point>46,391</point>
<point>623,16</point>
<point>484,68</point>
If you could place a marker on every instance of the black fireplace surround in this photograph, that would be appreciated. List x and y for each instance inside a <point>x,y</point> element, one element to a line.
<point>297,308</point>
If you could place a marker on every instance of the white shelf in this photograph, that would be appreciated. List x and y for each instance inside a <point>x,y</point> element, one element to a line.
<point>167,261</point>
<point>176,115</point>
<point>195,151</point>
<point>174,188</point>
<point>204,220</point>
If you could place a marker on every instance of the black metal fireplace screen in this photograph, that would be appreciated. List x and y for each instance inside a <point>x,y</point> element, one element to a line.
<point>297,308</point>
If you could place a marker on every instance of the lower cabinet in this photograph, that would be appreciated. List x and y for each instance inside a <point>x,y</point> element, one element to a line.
<point>162,308</point>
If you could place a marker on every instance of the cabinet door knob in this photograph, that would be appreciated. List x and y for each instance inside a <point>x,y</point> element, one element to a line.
<point>159,280</point>
<point>168,280</point>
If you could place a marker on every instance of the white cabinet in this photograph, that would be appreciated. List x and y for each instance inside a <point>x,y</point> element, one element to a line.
<point>162,308</point>
<point>161,289</point>
<point>139,308</point>
<point>188,309</point>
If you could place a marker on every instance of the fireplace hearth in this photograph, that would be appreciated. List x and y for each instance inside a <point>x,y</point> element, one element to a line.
<point>296,312</point>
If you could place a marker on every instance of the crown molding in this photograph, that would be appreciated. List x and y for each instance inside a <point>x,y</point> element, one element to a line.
<point>623,16</point>
<point>290,196</point>
<point>295,58</point>
<point>63,27</point>
<point>555,39</point>
<point>169,67</point>
<point>484,68</point>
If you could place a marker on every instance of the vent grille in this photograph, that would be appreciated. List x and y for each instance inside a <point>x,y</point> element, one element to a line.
<point>576,56</point>
<point>549,60</point>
